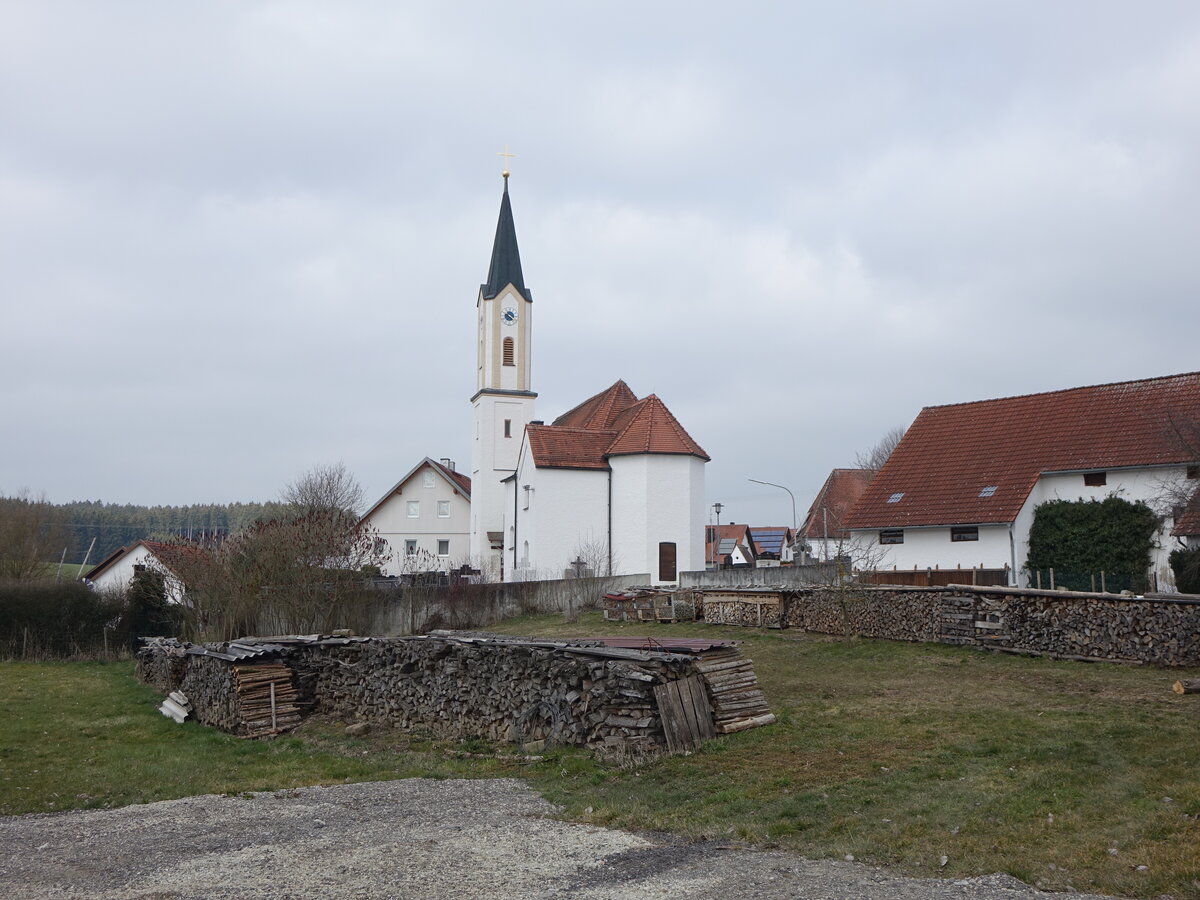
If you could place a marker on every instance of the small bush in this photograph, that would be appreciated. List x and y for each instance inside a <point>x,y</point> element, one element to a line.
<point>1186,566</point>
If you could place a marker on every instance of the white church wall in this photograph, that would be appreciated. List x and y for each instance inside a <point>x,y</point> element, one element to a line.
<point>561,515</point>
<point>658,498</point>
<point>494,450</point>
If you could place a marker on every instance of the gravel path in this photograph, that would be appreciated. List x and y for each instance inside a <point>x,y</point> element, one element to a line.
<point>414,838</point>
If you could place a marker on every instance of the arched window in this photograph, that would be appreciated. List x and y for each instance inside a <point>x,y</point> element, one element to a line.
<point>508,352</point>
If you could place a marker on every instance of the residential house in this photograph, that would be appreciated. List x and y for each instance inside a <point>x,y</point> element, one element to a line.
<point>425,519</point>
<point>823,530</point>
<point>730,546</point>
<point>116,571</point>
<point>961,487</point>
<point>773,545</point>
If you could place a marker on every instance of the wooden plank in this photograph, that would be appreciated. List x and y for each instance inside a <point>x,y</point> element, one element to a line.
<point>668,711</point>
<point>702,710</point>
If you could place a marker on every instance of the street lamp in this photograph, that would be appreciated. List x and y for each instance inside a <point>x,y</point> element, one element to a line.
<point>717,507</point>
<point>795,524</point>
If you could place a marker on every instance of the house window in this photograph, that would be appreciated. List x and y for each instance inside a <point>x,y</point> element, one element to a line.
<point>896,497</point>
<point>964,533</point>
<point>1095,479</point>
<point>427,480</point>
<point>891,536</point>
<point>444,548</point>
<point>1193,472</point>
<point>508,427</point>
<point>414,509</point>
<point>666,561</point>
<point>410,547</point>
<point>443,509</point>
<point>508,352</point>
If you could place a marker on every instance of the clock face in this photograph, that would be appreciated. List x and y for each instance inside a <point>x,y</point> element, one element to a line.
<point>509,315</point>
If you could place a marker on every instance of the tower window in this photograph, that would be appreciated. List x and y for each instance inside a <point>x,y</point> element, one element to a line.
<point>508,352</point>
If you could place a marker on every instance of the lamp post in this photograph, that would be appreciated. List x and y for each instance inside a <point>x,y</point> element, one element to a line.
<point>717,507</point>
<point>795,524</point>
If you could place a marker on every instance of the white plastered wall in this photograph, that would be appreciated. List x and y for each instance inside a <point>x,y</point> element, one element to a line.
<point>658,498</point>
<point>392,523</point>
<point>118,576</point>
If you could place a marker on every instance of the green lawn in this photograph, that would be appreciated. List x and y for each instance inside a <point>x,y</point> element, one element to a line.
<point>899,754</point>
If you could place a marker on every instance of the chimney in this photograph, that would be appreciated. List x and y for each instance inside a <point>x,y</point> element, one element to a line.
<point>447,463</point>
<point>537,422</point>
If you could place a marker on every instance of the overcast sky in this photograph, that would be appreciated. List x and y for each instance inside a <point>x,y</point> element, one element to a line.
<point>238,239</point>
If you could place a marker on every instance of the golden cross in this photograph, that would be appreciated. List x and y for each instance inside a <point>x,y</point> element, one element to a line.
<point>508,156</point>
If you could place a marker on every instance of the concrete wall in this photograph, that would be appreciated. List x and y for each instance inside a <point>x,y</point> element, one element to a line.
<point>780,575</point>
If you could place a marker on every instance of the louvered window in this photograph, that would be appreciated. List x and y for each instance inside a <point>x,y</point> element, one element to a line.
<point>508,352</point>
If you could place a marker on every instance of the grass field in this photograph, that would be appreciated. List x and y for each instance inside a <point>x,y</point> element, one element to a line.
<point>1065,774</point>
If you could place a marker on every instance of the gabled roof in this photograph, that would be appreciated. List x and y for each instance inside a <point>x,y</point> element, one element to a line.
<point>505,268</point>
<point>460,482</point>
<point>977,462</point>
<point>612,423</point>
<point>1187,523</point>
<point>769,540</point>
<point>834,501</point>
<point>158,549</point>
<point>727,539</point>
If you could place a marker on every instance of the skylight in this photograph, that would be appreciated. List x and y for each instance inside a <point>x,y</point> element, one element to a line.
<point>895,498</point>
<point>988,491</point>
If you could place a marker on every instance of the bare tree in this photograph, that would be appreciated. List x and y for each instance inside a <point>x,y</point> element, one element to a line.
<point>874,458</point>
<point>31,531</point>
<point>325,487</point>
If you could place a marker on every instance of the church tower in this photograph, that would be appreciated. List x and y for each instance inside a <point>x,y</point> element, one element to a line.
<point>503,402</point>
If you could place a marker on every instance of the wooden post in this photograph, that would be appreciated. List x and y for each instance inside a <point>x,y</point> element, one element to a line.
<point>273,726</point>
<point>1052,578</point>
<point>1103,583</point>
<point>25,644</point>
<point>1093,582</point>
<point>1039,579</point>
<point>104,631</point>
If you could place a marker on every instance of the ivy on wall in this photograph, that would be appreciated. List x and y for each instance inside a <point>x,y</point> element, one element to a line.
<point>1078,538</point>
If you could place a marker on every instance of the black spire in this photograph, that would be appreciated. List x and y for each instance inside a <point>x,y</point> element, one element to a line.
<point>506,259</point>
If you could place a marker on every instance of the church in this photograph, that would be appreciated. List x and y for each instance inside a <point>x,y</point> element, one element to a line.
<point>612,486</point>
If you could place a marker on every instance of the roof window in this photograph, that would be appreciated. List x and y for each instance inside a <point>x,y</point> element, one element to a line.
<point>988,491</point>
<point>896,497</point>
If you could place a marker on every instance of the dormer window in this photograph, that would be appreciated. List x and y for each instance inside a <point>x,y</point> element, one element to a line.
<point>896,497</point>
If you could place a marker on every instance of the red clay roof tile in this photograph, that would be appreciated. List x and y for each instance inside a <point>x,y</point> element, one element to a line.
<point>950,454</point>
<point>834,501</point>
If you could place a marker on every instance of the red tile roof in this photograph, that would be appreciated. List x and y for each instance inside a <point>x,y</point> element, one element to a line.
<point>600,411</point>
<point>951,454</point>
<point>1187,524</point>
<point>714,534</point>
<point>834,501</point>
<point>612,423</point>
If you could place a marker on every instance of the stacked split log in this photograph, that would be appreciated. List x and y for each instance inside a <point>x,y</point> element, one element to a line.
<point>209,685</point>
<point>866,611</point>
<point>524,692</point>
<point>737,700</point>
<point>161,663</point>
<point>267,700</point>
<point>757,609</point>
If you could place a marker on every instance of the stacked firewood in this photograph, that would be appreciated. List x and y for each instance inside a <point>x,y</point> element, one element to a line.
<point>521,691</point>
<point>1157,631</point>
<point>161,663</point>
<point>208,684</point>
<point>905,615</point>
<point>758,609</point>
<point>267,701</point>
<point>737,700</point>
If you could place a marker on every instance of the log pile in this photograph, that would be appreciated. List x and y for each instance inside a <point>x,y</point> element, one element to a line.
<point>737,700</point>
<point>901,615</point>
<point>747,607</point>
<point>525,692</point>
<point>266,698</point>
<point>161,663</point>
<point>1156,631</point>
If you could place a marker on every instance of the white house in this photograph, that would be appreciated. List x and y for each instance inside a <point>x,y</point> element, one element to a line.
<point>616,481</point>
<point>962,485</point>
<point>425,519</point>
<point>116,571</point>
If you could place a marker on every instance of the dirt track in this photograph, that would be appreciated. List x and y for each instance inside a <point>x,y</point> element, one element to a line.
<point>414,838</point>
